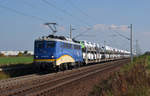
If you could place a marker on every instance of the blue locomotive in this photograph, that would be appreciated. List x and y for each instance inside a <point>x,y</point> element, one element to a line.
<point>60,53</point>
<point>57,52</point>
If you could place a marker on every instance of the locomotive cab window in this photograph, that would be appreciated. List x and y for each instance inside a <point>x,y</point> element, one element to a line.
<point>50,44</point>
<point>39,44</point>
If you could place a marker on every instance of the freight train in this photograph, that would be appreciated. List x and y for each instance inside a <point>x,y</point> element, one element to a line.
<point>61,53</point>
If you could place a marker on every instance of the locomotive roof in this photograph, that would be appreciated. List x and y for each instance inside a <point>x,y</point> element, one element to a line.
<point>58,38</point>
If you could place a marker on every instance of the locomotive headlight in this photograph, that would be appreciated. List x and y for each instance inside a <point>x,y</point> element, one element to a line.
<point>52,56</point>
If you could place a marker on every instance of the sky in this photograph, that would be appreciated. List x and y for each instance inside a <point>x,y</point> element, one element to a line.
<point>22,21</point>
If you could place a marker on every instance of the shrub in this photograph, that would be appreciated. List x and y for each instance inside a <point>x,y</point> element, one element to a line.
<point>2,55</point>
<point>20,54</point>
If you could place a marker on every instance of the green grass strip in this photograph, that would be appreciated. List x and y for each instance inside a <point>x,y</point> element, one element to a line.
<point>15,60</point>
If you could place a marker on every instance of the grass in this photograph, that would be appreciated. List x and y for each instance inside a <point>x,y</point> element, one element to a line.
<point>10,62</point>
<point>4,75</point>
<point>148,64</point>
<point>4,61</point>
<point>132,80</point>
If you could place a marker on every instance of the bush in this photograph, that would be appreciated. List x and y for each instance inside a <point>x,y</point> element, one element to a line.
<point>147,53</point>
<point>20,54</point>
<point>3,75</point>
<point>2,55</point>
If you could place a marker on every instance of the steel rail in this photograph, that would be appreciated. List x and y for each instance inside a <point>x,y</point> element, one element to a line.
<point>51,84</point>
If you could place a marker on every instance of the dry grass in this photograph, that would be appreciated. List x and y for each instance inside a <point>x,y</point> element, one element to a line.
<point>4,75</point>
<point>132,80</point>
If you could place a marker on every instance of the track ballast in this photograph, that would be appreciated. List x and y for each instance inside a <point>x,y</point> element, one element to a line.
<point>51,83</point>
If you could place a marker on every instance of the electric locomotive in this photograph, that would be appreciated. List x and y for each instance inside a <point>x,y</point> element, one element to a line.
<point>56,52</point>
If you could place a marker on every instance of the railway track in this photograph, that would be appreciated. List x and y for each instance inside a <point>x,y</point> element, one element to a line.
<point>22,80</point>
<point>49,83</point>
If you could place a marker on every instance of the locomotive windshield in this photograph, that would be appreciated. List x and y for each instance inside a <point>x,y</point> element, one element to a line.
<point>39,44</point>
<point>45,44</point>
<point>50,44</point>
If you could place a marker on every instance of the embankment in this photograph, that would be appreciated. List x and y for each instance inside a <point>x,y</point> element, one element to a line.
<point>132,80</point>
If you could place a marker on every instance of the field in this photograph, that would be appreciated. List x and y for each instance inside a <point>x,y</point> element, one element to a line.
<point>4,61</point>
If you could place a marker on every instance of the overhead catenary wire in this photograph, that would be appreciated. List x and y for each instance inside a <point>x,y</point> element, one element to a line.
<point>35,7</point>
<point>65,12</point>
<point>117,34</point>
<point>80,10</point>
<point>123,36</point>
<point>21,13</point>
<point>25,14</point>
<point>82,33</point>
<point>28,3</point>
<point>28,15</point>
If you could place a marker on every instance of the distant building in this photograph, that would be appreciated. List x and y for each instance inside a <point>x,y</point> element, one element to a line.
<point>30,52</point>
<point>15,53</point>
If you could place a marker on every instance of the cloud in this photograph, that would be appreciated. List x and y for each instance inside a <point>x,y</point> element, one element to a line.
<point>100,27</point>
<point>82,29</point>
<point>120,27</point>
<point>104,27</point>
<point>61,28</point>
<point>146,33</point>
<point>44,26</point>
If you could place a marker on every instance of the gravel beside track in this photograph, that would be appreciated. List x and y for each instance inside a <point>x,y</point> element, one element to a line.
<point>16,78</point>
<point>35,85</point>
